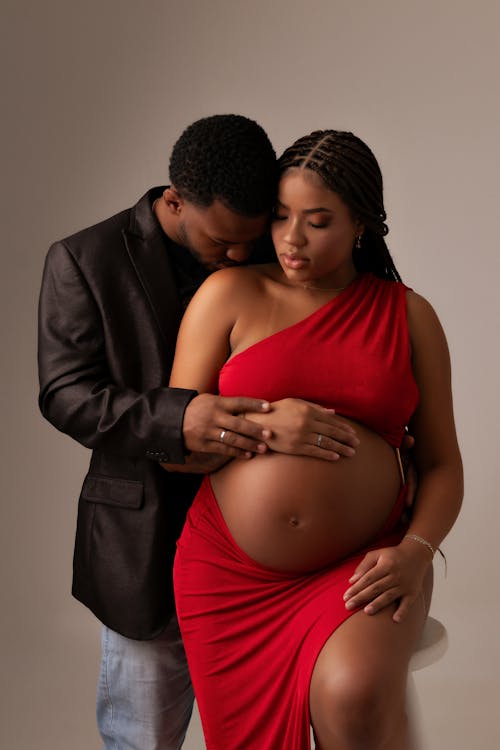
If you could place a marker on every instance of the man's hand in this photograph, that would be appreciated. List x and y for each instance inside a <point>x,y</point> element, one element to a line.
<point>212,425</point>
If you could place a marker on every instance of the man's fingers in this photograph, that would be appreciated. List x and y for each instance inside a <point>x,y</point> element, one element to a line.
<point>408,442</point>
<point>210,425</point>
<point>231,443</point>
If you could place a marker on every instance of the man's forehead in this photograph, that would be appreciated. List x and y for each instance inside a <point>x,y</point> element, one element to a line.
<point>225,225</point>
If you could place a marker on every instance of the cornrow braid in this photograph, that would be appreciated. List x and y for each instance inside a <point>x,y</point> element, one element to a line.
<point>348,167</point>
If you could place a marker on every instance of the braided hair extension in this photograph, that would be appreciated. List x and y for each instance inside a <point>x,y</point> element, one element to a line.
<point>348,167</point>
<point>227,158</point>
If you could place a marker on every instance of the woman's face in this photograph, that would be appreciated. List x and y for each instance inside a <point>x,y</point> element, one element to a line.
<point>313,232</point>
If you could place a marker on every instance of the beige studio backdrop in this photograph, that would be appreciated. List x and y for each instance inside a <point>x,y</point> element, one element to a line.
<point>95,94</point>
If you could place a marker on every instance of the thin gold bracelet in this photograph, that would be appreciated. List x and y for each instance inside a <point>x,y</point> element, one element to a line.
<point>421,540</point>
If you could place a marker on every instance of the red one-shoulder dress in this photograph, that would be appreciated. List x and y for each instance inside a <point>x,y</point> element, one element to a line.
<point>252,635</point>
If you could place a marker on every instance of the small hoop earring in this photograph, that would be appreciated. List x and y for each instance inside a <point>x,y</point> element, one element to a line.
<point>358,242</point>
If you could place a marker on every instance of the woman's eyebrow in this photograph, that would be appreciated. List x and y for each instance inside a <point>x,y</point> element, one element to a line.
<point>318,210</point>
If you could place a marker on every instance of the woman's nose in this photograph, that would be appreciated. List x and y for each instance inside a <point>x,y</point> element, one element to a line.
<point>294,235</point>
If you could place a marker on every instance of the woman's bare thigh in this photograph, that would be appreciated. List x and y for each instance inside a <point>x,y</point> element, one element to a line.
<point>365,662</point>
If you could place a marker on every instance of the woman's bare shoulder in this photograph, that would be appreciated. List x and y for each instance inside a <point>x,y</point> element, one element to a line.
<point>419,308</point>
<point>423,322</point>
<point>237,280</point>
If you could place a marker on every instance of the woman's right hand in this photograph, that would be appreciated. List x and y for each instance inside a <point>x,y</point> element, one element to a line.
<point>302,428</point>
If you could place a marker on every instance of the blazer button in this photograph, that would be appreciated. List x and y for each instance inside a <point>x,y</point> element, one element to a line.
<point>158,455</point>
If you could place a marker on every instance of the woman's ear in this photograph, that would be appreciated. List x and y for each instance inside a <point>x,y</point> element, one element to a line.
<point>360,228</point>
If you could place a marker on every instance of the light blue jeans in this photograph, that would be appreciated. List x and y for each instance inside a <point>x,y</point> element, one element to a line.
<point>144,694</point>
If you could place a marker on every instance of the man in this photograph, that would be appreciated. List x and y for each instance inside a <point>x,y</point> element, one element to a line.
<point>111,302</point>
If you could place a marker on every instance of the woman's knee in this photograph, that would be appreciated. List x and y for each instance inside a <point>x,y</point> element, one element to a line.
<point>358,708</point>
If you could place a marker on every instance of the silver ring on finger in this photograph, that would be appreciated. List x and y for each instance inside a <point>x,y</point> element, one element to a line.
<point>222,435</point>
<point>319,440</point>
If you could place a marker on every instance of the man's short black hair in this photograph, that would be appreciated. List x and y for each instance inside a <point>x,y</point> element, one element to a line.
<point>227,158</point>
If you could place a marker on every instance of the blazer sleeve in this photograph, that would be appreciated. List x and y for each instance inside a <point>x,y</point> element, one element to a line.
<point>77,392</point>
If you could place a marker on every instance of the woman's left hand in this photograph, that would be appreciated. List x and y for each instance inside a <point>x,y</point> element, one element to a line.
<point>387,576</point>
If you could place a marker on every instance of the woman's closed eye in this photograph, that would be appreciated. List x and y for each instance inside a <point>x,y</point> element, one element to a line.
<point>315,225</point>
<point>319,225</point>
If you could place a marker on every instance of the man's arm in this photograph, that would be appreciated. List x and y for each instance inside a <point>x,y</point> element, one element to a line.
<point>78,391</point>
<point>78,394</point>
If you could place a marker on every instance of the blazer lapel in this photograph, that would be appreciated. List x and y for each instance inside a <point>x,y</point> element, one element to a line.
<point>148,253</point>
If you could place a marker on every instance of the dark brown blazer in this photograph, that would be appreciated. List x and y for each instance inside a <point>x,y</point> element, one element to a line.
<point>108,320</point>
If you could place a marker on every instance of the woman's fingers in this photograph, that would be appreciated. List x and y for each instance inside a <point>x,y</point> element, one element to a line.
<point>380,602</point>
<point>336,429</point>
<point>374,577</point>
<point>404,606</point>
<point>368,562</point>
<point>321,442</point>
<point>211,424</point>
<point>370,593</point>
<point>383,577</point>
<point>334,434</point>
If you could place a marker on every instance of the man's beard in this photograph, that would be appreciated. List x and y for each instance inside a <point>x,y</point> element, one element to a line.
<point>183,239</point>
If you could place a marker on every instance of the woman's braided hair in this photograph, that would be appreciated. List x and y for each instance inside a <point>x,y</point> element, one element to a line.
<point>348,167</point>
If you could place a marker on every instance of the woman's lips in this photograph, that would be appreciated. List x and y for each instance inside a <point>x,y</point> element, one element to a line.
<point>291,261</point>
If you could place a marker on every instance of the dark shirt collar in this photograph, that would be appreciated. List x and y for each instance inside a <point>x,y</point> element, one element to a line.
<point>189,272</point>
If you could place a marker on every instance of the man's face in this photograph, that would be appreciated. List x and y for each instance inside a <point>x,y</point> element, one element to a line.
<point>216,236</point>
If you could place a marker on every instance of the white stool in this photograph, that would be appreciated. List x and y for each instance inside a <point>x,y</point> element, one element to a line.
<point>431,647</point>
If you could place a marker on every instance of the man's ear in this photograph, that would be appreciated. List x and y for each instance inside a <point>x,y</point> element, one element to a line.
<point>173,201</point>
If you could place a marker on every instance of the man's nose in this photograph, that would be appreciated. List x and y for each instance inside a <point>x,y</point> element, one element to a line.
<point>239,253</point>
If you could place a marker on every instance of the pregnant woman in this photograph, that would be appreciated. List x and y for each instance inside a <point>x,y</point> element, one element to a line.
<point>301,590</point>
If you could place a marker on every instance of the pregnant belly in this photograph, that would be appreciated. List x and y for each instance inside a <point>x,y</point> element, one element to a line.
<point>294,513</point>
